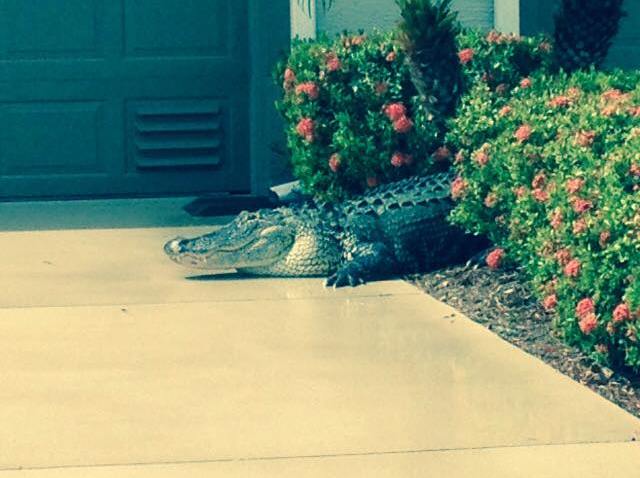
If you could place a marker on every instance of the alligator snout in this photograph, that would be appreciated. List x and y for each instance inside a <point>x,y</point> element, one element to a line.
<point>175,246</point>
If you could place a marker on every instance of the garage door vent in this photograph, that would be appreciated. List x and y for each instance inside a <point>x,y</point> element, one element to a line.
<point>177,134</point>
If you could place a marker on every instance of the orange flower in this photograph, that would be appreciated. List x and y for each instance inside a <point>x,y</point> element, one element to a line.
<point>523,133</point>
<point>391,57</point>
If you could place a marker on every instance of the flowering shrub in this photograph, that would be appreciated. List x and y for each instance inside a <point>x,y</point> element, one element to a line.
<point>502,61</point>
<point>354,118</point>
<point>552,175</point>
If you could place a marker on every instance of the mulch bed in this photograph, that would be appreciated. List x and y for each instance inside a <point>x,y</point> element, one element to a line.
<point>502,302</point>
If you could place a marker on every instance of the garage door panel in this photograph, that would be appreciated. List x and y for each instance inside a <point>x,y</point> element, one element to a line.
<point>81,80</point>
<point>63,138</point>
<point>179,28</point>
<point>52,29</point>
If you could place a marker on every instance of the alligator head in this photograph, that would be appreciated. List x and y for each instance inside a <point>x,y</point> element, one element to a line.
<point>267,242</point>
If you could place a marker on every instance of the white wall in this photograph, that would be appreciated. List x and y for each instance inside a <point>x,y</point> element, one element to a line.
<point>367,14</point>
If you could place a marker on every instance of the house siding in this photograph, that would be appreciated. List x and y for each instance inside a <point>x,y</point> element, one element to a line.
<point>368,14</point>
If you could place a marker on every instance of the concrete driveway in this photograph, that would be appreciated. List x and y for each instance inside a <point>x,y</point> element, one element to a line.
<point>117,363</point>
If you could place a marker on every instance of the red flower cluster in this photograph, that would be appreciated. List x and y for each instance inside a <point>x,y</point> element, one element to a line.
<point>481,158</point>
<point>334,162</point>
<point>588,323</point>
<point>397,113</point>
<point>333,62</point>
<point>574,185</point>
<point>556,219</point>
<point>539,181</point>
<point>585,307</point>
<point>572,269</point>
<point>550,302</point>
<point>560,101</point>
<point>505,110</point>
<point>603,240</point>
<point>494,259</point>
<point>523,133</point>
<point>458,188</point>
<point>491,200</point>
<point>585,138</point>
<point>579,226</point>
<point>442,154</point>
<point>581,206</point>
<point>540,195</point>
<point>308,88</point>
<point>621,313</point>
<point>306,129</point>
<point>526,83</point>
<point>466,55</point>
<point>400,159</point>
<point>289,79</point>
<point>563,256</point>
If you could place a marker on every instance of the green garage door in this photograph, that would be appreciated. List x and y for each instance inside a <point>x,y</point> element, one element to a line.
<point>123,97</point>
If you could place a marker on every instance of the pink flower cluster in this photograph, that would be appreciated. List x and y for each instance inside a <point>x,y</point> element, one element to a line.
<point>397,113</point>
<point>495,258</point>
<point>458,188</point>
<point>400,159</point>
<point>466,55</point>
<point>306,129</point>
<point>308,88</point>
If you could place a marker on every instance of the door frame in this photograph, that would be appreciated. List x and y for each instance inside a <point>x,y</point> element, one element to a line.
<point>269,38</point>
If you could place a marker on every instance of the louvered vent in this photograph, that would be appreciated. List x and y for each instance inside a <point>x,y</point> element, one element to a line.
<point>174,134</point>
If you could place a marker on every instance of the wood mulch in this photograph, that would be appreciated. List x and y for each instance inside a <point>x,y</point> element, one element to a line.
<point>502,302</point>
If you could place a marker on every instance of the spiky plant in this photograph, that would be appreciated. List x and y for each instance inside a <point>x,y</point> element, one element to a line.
<point>428,31</point>
<point>584,31</point>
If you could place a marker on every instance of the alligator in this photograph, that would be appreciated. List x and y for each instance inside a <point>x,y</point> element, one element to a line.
<point>393,229</point>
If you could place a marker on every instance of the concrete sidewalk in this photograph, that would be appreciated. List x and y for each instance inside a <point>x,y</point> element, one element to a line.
<point>117,363</point>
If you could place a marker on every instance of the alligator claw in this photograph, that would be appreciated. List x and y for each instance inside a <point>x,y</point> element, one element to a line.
<point>347,276</point>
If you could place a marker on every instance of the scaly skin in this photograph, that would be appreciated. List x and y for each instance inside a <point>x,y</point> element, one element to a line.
<point>395,229</point>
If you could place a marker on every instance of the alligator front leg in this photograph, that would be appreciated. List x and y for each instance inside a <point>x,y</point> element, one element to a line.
<point>370,261</point>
